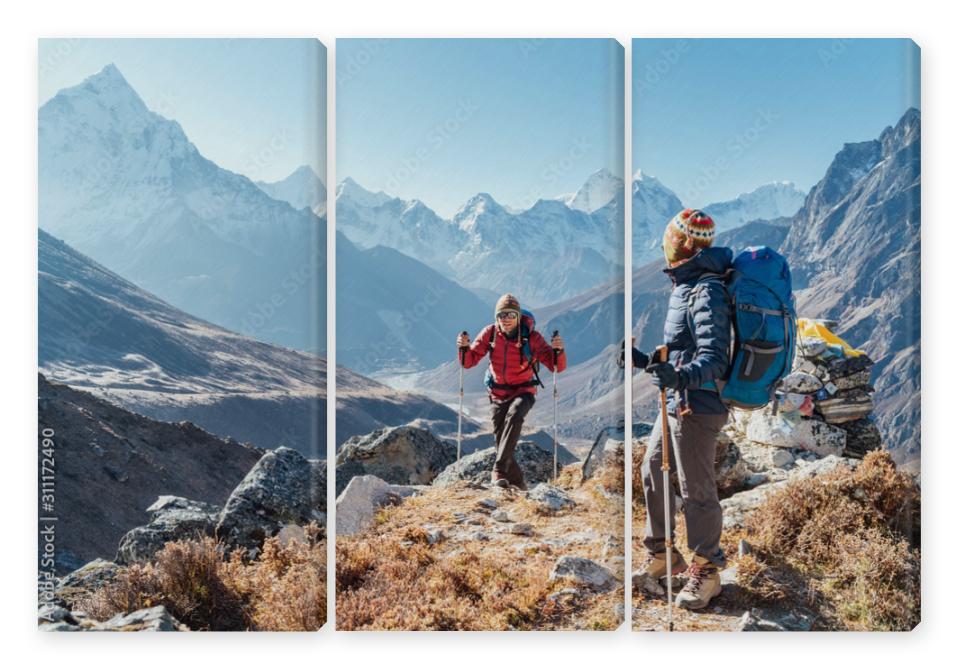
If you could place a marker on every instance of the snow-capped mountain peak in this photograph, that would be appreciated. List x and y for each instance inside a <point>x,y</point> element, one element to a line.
<point>301,188</point>
<point>769,201</point>
<point>350,191</point>
<point>600,188</point>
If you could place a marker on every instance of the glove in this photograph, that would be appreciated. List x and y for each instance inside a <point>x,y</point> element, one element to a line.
<point>641,360</point>
<point>666,376</point>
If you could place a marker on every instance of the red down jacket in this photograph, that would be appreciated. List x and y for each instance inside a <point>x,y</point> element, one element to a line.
<point>508,363</point>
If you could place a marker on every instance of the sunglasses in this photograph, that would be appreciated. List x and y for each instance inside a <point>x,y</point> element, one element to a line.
<point>507,315</point>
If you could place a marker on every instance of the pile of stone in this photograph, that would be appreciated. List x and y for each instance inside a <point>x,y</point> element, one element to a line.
<point>831,383</point>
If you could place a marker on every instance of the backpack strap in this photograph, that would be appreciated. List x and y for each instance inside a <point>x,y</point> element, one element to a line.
<point>723,277</point>
<point>525,352</point>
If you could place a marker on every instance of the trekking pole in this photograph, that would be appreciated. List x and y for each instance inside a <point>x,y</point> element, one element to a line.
<point>460,409</point>
<point>666,473</point>
<point>556,353</point>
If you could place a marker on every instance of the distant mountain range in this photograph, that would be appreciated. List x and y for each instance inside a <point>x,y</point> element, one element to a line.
<point>103,334</point>
<point>653,205</point>
<point>548,252</point>
<point>126,186</point>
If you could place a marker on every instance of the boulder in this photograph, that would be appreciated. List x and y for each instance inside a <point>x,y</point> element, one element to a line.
<point>737,507</point>
<point>608,448</point>
<point>862,436</point>
<point>585,572</point>
<point>174,518</point>
<point>399,455</point>
<point>550,498</point>
<point>362,497</point>
<point>282,488</point>
<point>536,463</point>
<point>730,470</point>
<point>773,430</point>
<point>86,579</point>
<point>153,619</point>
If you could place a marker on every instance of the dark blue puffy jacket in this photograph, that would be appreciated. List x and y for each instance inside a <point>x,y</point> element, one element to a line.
<point>701,356</point>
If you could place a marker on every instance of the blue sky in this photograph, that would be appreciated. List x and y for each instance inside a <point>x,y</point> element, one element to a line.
<point>441,120</point>
<point>253,106</point>
<point>715,118</point>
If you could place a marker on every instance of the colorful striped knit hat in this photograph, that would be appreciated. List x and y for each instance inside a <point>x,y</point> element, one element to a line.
<point>686,234</point>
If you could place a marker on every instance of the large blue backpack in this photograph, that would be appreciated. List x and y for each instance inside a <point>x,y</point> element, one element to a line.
<point>765,327</point>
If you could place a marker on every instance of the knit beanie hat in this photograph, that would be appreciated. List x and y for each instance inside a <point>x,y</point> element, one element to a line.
<point>507,302</point>
<point>686,234</point>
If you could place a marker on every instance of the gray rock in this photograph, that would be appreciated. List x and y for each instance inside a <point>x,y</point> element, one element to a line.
<point>730,470</point>
<point>93,576</point>
<point>174,518</point>
<point>781,458</point>
<point>165,503</point>
<point>501,516</point>
<point>535,462</point>
<point>59,627</point>
<point>607,449</point>
<point>522,529</point>
<point>759,620</point>
<point>359,502</point>
<point>49,613</point>
<point>737,507</point>
<point>154,619</point>
<point>488,503</point>
<point>434,535</point>
<point>550,498</point>
<point>728,576</point>
<point>282,488</point>
<point>763,428</point>
<point>585,572</point>
<point>398,455</point>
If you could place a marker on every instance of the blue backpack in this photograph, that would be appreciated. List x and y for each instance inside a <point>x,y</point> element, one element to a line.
<point>765,327</point>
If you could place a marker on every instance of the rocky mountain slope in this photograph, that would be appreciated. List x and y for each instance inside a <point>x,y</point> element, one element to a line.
<point>111,464</point>
<point>103,334</point>
<point>855,247</point>
<point>395,313</point>
<point>126,186</point>
<point>456,554</point>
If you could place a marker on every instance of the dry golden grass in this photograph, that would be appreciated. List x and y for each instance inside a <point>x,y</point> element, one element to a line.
<point>207,589</point>
<point>850,533</point>
<point>841,544</point>
<point>391,578</point>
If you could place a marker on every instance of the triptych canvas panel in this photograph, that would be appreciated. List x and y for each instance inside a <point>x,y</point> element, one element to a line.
<point>483,470</point>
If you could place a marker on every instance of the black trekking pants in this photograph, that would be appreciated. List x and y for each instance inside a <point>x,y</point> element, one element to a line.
<point>508,419</point>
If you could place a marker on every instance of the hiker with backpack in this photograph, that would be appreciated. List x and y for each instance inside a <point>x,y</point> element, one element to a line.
<point>712,294</point>
<point>516,350</point>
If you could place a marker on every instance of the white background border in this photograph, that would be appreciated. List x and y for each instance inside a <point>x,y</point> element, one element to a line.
<point>934,31</point>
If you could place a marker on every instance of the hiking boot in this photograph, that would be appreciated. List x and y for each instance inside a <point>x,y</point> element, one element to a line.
<point>703,583</point>
<point>648,577</point>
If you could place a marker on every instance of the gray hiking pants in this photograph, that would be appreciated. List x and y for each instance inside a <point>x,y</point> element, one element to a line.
<point>693,440</point>
<point>508,419</point>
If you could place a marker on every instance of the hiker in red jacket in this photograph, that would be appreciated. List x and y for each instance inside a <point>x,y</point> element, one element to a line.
<point>512,377</point>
